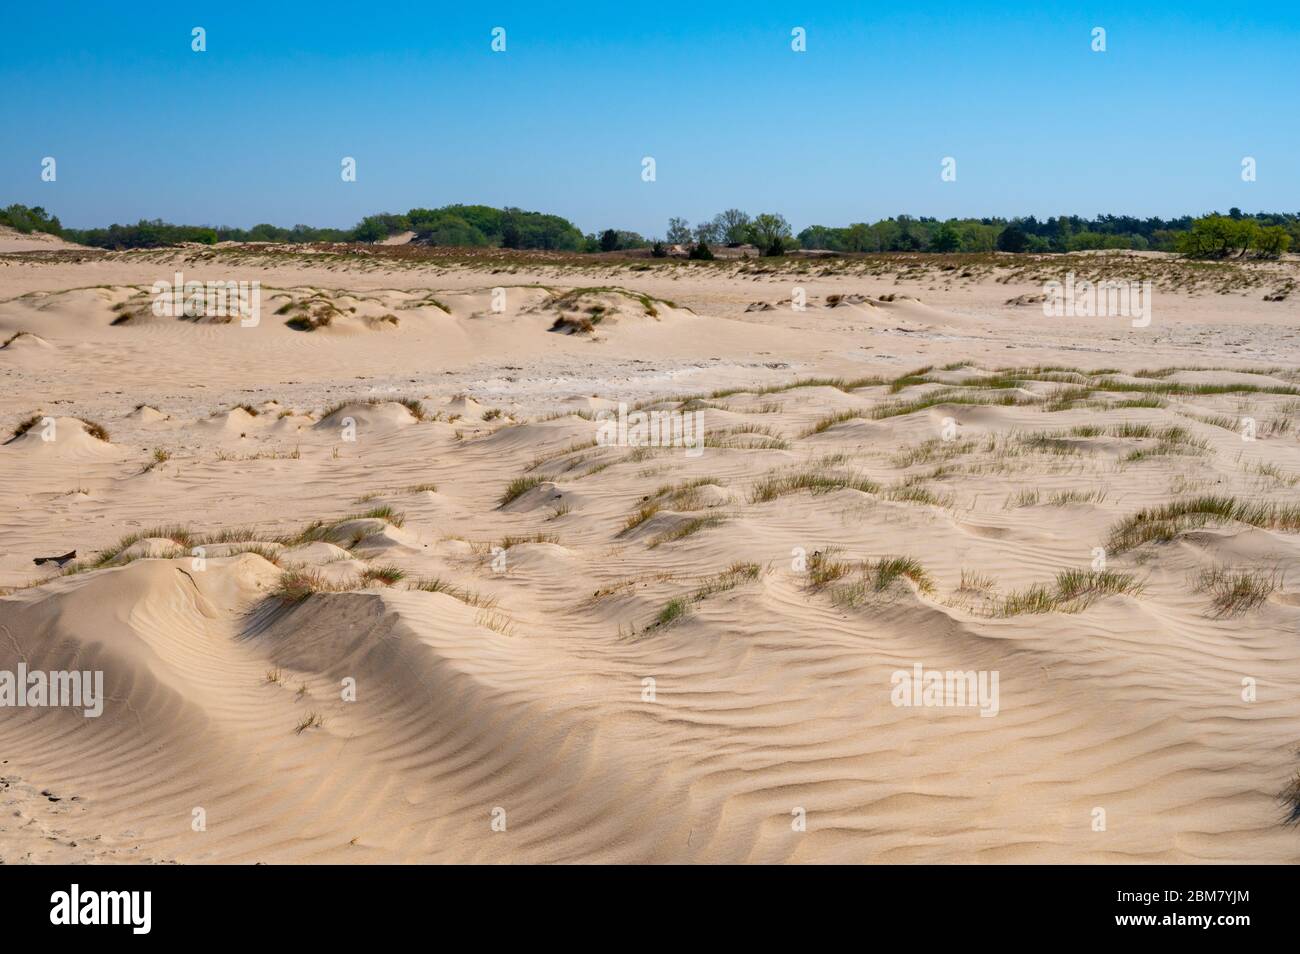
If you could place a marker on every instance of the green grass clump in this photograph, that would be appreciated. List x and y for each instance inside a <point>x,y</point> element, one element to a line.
<point>907,492</point>
<point>886,571</point>
<point>812,481</point>
<point>385,513</point>
<point>824,569</point>
<point>181,536</point>
<point>1072,591</point>
<point>673,611</point>
<point>839,417</point>
<point>1165,522</point>
<point>947,396</point>
<point>875,578</point>
<point>387,575</point>
<point>517,488</point>
<point>642,514</point>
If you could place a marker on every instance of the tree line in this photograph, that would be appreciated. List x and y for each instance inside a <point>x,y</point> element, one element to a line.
<point>1236,234</point>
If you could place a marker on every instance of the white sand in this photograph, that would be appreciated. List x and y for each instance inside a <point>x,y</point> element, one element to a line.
<point>769,698</point>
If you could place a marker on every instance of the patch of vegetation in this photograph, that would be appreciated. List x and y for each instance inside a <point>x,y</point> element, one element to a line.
<point>514,541</point>
<point>296,585</point>
<point>689,528</point>
<point>1236,591</point>
<point>830,420</point>
<point>872,579</point>
<point>411,404</point>
<point>517,488</point>
<point>673,611</point>
<point>96,430</point>
<point>312,720</point>
<point>729,579</point>
<point>945,396</point>
<point>25,425</point>
<point>467,596</point>
<point>1073,591</point>
<point>180,536</point>
<point>770,488</point>
<point>1165,522</point>
<point>387,575</point>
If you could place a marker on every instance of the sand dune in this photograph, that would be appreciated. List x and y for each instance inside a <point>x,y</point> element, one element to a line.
<point>370,590</point>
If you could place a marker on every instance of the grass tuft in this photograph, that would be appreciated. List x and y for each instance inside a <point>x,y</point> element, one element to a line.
<point>1236,591</point>
<point>1164,523</point>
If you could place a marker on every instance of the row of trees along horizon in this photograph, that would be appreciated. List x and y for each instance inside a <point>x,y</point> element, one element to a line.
<point>1237,234</point>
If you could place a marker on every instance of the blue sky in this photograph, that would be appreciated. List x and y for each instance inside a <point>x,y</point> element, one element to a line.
<point>854,129</point>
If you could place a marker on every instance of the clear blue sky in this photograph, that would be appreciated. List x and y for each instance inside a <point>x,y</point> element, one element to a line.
<point>854,129</point>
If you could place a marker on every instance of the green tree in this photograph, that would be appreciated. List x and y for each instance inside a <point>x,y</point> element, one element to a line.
<point>1013,239</point>
<point>732,226</point>
<point>679,231</point>
<point>769,231</point>
<point>945,239</point>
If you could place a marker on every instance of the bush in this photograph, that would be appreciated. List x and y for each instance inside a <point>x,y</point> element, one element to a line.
<point>1012,239</point>
<point>28,220</point>
<point>376,228</point>
<point>945,240</point>
<point>768,231</point>
<point>1221,236</point>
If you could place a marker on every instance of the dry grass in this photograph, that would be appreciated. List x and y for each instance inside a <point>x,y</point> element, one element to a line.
<point>294,586</point>
<point>25,425</point>
<point>1071,592</point>
<point>467,596</point>
<point>312,720</point>
<point>513,541</point>
<point>729,579</point>
<point>976,583</point>
<point>1236,591</point>
<point>1164,523</point>
<point>689,527</point>
<point>411,404</point>
<point>96,430</point>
